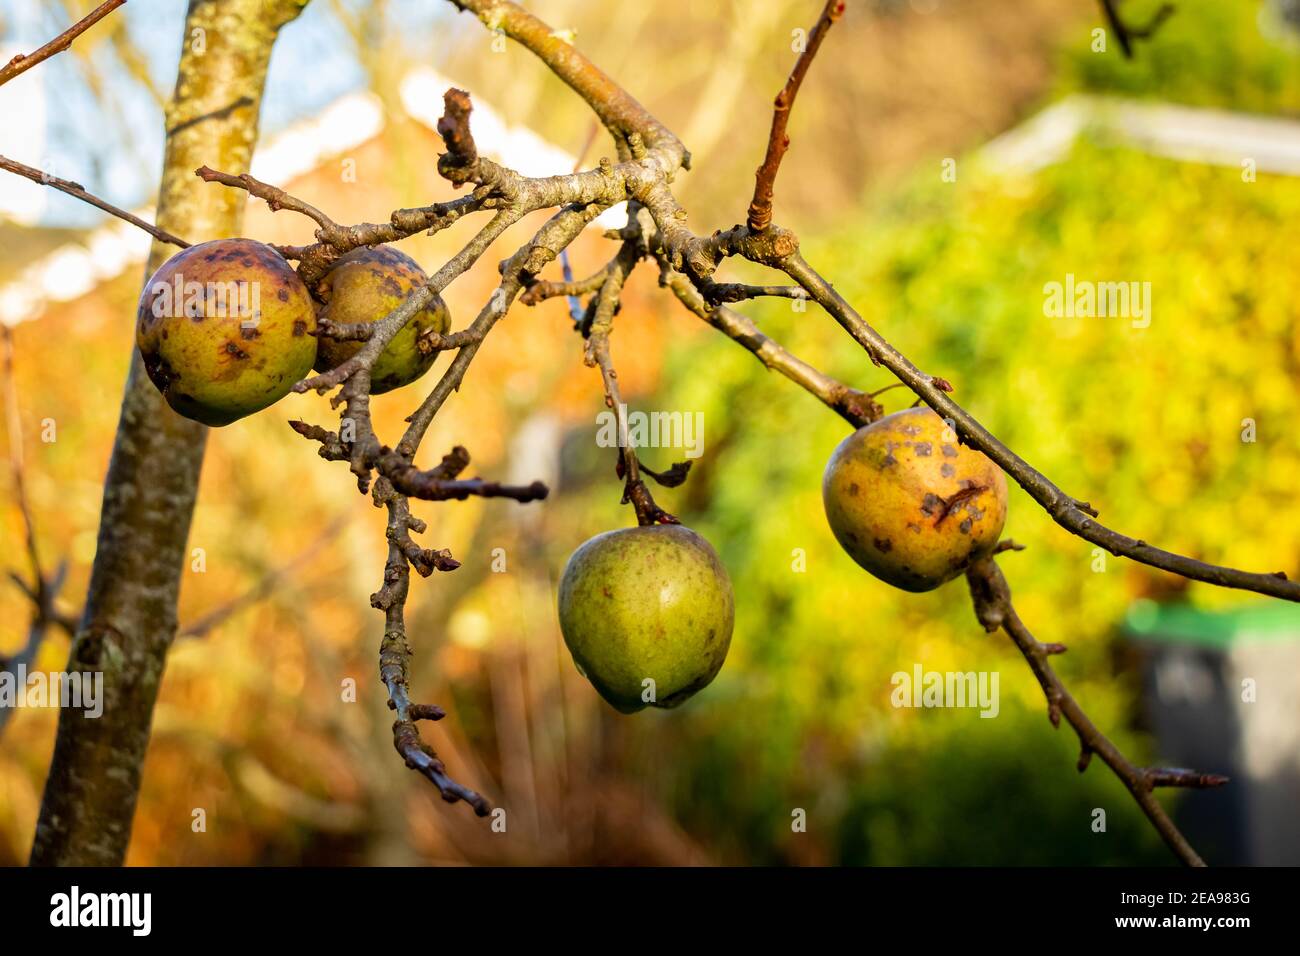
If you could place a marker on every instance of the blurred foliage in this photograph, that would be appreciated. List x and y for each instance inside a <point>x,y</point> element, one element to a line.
<point>1145,422</point>
<point>1237,54</point>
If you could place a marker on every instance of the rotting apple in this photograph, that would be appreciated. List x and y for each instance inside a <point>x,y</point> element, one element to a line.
<point>910,503</point>
<point>225,329</point>
<point>365,285</point>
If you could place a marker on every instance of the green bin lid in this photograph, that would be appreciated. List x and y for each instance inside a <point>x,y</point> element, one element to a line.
<point>1184,623</point>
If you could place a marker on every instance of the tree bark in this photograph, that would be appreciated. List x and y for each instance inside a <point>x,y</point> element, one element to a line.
<point>149,493</point>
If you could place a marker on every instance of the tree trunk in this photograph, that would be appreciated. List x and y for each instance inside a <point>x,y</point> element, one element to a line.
<point>130,615</point>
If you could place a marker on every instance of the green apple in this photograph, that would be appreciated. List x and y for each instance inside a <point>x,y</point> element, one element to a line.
<point>647,614</point>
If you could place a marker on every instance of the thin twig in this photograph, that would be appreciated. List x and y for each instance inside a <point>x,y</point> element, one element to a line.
<point>557,233</point>
<point>992,598</point>
<point>603,308</point>
<point>335,240</point>
<point>43,589</point>
<point>394,661</point>
<point>717,293</point>
<point>575,304</point>
<point>778,140</point>
<point>441,483</point>
<point>273,196</point>
<point>856,407</point>
<point>24,62</point>
<point>1125,33</point>
<point>78,191</point>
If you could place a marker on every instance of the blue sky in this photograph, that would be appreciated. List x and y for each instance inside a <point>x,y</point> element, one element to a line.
<point>119,156</point>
